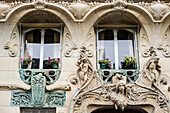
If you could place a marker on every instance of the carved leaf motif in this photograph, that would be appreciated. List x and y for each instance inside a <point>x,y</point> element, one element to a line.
<point>158,10</point>
<point>13,48</point>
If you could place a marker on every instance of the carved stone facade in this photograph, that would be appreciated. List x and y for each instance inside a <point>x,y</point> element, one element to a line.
<point>79,86</point>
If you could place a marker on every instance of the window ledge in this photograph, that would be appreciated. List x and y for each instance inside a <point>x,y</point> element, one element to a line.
<point>51,75</point>
<point>107,74</point>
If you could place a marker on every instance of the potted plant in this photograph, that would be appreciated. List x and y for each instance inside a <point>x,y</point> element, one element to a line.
<point>105,64</point>
<point>53,63</point>
<point>26,62</point>
<point>129,62</point>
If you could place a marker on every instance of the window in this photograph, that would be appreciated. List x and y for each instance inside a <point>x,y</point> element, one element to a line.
<point>40,44</point>
<point>40,110</point>
<point>115,43</point>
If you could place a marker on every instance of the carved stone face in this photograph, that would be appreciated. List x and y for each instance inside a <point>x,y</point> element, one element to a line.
<point>121,87</point>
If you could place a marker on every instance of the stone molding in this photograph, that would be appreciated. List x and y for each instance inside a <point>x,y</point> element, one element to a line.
<point>79,10</point>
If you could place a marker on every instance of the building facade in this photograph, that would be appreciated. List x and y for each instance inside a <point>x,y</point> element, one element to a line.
<point>105,56</point>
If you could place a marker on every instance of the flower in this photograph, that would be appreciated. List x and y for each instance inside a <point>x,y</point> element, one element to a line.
<point>26,61</point>
<point>22,59</point>
<point>129,60</point>
<point>106,62</point>
<point>50,61</point>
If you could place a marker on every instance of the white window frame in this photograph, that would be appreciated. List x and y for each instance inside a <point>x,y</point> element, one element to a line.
<point>42,43</point>
<point>115,31</point>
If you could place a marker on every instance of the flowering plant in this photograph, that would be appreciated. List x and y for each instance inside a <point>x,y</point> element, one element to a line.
<point>129,60</point>
<point>26,61</point>
<point>106,62</point>
<point>50,61</point>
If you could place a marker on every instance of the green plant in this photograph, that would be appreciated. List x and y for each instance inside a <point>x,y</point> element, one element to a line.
<point>50,61</point>
<point>26,61</point>
<point>107,62</point>
<point>129,60</point>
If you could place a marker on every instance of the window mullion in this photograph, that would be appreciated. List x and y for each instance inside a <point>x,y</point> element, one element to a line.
<point>42,49</point>
<point>116,49</point>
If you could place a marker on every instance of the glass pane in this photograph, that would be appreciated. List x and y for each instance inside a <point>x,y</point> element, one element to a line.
<point>32,47</point>
<point>106,46</point>
<point>51,45</point>
<point>125,45</point>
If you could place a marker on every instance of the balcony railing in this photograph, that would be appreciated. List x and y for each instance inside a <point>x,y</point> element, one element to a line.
<point>107,74</point>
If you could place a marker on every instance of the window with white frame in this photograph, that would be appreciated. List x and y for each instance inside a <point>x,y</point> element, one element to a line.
<point>40,110</point>
<point>41,44</point>
<point>114,44</point>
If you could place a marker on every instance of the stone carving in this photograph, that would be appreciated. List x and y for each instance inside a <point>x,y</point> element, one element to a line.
<point>13,48</point>
<point>56,99</point>
<point>78,8</point>
<point>50,75</point>
<point>39,4</point>
<point>117,93</point>
<point>4,9</point>
<point>119,4</point>
<point>149,52</point>
<point>152,68</point>
<point>38,89</point>
<point>60,87</point>
<point>85,70</point>
<point>22,99</point>
<point>71,46</point>
<point>88,45</point>
<point>158,10</point>
<point>164,51</point>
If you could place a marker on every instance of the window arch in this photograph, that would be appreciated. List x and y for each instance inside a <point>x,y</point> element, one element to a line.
<point>41,44</point>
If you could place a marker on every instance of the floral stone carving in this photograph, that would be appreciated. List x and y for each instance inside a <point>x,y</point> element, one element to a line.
<point>91,90</point>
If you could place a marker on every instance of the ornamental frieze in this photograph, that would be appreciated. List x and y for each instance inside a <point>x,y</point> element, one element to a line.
<point>79,9</point>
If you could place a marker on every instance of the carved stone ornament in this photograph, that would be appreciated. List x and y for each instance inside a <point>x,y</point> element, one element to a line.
<point>13,48</point>
<point>119,4</point>
<point>70,45</point>
<point>78,8</point>
<point>38,96</point>
<point>39,4</point>
<point>149,52</point>
<point>158,10</point>
<point>91,90</point>
<point>164,50</point>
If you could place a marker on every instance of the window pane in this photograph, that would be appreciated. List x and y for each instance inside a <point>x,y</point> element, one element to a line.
<point>106,46</point>
<point>51,45</point>
<point>32,46</point>
<point>125,44</point>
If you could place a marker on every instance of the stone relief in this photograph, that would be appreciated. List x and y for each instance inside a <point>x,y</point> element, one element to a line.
<point>70,45</point>
<point>152,68</point>
<point>39,4</point>
<point>79,9</point>
<point>165,52</point>
<point>92,90</point>
<point>13,48</point>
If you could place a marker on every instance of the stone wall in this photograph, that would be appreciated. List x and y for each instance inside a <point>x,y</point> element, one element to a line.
<point>80,20</point>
